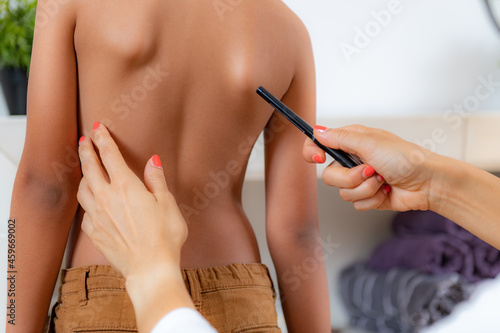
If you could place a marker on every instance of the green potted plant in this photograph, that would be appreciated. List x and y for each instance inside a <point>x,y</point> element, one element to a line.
<point>17,22</point>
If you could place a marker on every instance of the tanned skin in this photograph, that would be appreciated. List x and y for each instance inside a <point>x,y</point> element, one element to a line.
<point>177,79</point>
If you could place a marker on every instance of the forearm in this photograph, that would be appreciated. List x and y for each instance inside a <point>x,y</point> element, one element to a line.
<point>155,293</point>
<point>303,284</point>
<point>40,230</point>
<point>468,196</point>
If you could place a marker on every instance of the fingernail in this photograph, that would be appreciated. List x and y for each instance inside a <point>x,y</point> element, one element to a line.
<point>387,189</point>
<point>156,161</point>
<point>380,178</point>
<point>321,129</point>
<point>81,140</point>
<point>369,171</point>
<point>96,125</point>
<point>318,159</point>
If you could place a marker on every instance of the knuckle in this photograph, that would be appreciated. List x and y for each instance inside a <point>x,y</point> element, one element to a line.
<point>105,149</point>
<point>85,155</point>
<point>81,187</point>
<point>374,187</point>
<point>98,137</point>
<point>379,202</point>
<point>342,133</point>
<point>87,227</point>
<point>84,183</point>
<point>327,178</point>
<point>360,207</point>
<point>352,178</point>
<point>369,191</point>
<point>362,129</point>
<point>156,176</point>
<point>351,181</point>
<point>79,194</point>
<point>86,165</point>
<point>359,128</point>
<point>83,150</point>
<point>345,194</point>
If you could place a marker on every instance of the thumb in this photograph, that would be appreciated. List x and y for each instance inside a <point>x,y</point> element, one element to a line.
<point>350,139</point>
<point>154,178</point>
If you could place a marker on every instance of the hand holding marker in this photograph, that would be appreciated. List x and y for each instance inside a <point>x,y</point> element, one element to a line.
<point>345,159</point>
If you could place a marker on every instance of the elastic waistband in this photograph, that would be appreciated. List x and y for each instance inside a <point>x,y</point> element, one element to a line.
<point>198,280</point>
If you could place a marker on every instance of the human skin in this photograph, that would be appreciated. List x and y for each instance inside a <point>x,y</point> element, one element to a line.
<point>176,79</point>
<point>116,213</point>
<point>418,178</point>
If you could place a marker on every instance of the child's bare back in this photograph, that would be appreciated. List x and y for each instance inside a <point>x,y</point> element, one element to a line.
<point>178,79</point>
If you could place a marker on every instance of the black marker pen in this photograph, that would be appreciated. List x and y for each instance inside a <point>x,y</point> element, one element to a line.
<point>347,160</point>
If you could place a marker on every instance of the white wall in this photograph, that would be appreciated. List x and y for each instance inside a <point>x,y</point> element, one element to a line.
<point>427,58</point>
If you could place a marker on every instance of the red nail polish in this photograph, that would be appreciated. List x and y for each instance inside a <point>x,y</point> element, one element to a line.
<point>369,171</point>
<point>81,140</point>
<point>321,129</point>
<point>380,178</point>
<point>318,159</point>
<point>387,189</point>
<point>156,161</point>
<point>96,125</point>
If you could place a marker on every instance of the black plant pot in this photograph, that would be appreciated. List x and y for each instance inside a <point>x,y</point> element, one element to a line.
<point>15,87</point>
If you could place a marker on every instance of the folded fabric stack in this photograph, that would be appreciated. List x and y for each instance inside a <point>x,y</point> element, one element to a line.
<point>399,300</point>
<point>433,254</point>
<point>418,276</point>
<point>431,243</point>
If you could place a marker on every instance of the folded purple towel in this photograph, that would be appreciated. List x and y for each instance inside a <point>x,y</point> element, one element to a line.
<point>435,254</point>
<point>418,222</point>
<point>413,223</point>
<point>486,259</point>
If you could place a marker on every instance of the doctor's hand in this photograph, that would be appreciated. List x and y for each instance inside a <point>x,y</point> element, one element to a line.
<point>137,226</point>
<point>397,174</point>
<point>123,215</point>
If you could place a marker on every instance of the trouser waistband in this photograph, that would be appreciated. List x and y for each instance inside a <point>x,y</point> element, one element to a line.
<point>81,281</point>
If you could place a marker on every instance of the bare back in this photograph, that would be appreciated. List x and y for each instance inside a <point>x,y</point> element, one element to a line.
<point>178,79</point>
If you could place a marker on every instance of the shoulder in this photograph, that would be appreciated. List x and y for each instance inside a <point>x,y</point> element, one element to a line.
<point>293,30</point>
<point>286,18</point>
<point>299,45</point>
<point>55,13</point>
<point>296,24</point>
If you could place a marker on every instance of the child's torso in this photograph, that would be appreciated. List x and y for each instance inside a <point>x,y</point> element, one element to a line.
<point>178,79</point>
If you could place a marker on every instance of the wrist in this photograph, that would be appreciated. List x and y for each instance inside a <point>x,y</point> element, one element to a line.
<point>150,278</point>
<point>156,292</point>
<point>447,174</point>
